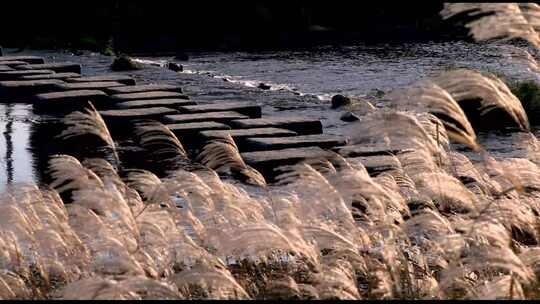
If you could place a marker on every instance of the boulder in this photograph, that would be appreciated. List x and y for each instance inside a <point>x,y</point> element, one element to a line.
<point>349,117</point>
<point>175,67</point>
<point>124,63</point>
<point>263,86</point>
<point>339,101</point>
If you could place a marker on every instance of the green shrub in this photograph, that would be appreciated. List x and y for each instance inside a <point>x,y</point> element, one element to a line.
<point>528,93</point>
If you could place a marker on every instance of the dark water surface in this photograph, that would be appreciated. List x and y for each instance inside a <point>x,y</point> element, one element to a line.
<point>302,82</point>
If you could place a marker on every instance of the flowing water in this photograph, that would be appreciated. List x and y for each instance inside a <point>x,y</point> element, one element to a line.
<point>301,83</point>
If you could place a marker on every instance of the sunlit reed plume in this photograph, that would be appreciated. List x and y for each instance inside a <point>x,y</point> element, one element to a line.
<point>86,122</point>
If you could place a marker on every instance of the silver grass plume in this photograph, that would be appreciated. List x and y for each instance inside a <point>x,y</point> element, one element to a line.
<point>429,97</point>
<point>88,121</point>
<point>222,155</point>
<point>465,85</point>
<point>68,174</point>
<point>160,142</point>
<point>501,21</point>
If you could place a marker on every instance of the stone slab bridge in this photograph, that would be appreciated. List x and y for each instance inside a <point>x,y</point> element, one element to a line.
<point>264,142</point>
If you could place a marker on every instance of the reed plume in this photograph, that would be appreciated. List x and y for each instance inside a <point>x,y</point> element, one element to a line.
<point>223,156</point>
<point>88,121</point>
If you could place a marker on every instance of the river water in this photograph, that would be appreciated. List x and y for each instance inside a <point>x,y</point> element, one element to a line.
<point>301,83</point>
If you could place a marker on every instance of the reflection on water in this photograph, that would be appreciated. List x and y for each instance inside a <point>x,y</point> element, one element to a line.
<point>9,144</point>
<point>314,75</point>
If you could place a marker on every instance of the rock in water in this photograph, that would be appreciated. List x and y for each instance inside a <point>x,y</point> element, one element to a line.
<point>175,67</point>
<point>124,63</point>
<point>349,117</point>
<point>263,86</point>
<point>339,101</point>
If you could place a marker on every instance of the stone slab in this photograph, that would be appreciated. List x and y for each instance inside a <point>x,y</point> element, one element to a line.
<point>246,108</point>
<point>59,67</point>
<point>189,133</point>
<point>15,75</point>
<point>118,78</point>
<point>241,136</point>
<point>132,114</point>
<point>28,59</point>
<point>300,125</point>
<point>13,64</point>
<point>150,103</point>
<point>98,85</point>
<point>5,68</point>
<point>266,161</point>
<point>14,88</point>
<point>145,88</point>
<point>377,164</point>
<point>194,128</point>
<point>147,95</point>
<point>222,117</point>
<point>365,150</point>
<point>61,76</point>
<point>69,100</point>
<point>276,143</point>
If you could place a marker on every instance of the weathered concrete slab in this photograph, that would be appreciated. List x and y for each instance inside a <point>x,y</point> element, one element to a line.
<point>246,108</point>
<point>59,67</point>
<point>4,68</point>
<point>194,128</point>
<point>365,150</point>
<point>28,59</point>
<point>276,143</point>
<point>222,117</point>
<point>13,64</point>
<point>123,115</point>
<point>189,133</point>
<point>266,161</point>
<point>15,88</point>
<point>89,85</point>
<point>150,103</point>
<point>60,76</point>
<point>241,136</point>
<point>377,164</point>
<point>15,75</point>
<point>147,95</point>
<point>118,78</point>
<point>145,88</point>
<point>69,100</point>
<point>300,125</point>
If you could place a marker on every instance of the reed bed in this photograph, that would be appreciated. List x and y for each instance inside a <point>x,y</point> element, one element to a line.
<point>435,225</point>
